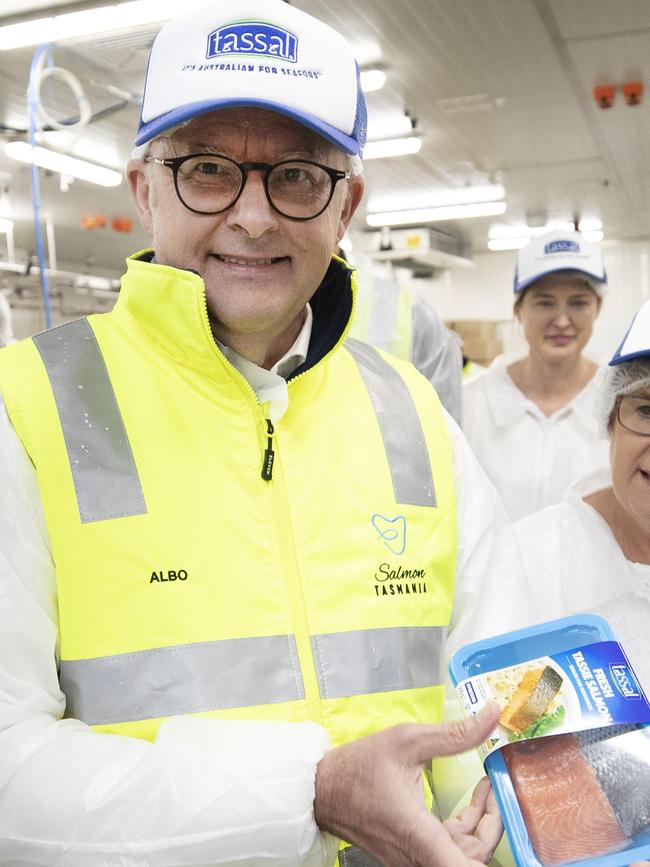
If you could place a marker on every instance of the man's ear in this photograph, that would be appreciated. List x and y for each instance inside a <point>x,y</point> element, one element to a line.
<point>136,175</point>
<point>352,202</point>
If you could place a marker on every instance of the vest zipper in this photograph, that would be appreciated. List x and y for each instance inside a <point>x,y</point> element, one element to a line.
<point>269,454</point>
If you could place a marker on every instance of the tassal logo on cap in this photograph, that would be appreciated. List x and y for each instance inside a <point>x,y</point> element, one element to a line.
<point>562,246</point>
<point>253,37</point>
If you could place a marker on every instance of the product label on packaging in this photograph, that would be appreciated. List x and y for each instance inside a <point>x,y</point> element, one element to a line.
<point>587,687</point>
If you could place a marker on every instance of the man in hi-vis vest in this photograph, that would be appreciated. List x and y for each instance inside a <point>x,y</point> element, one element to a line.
<point>235,546</point>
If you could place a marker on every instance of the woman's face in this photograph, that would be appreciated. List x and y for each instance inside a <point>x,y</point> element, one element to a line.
<point>557,314</point>
<point>630,456</point>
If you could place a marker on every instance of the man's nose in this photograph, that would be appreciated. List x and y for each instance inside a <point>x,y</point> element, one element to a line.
<point>252,212</point>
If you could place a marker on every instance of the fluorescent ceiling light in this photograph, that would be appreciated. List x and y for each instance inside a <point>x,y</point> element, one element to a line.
<point>387,124</point>
<point>392,147</point>
<point>434,215</point>
<point>439,198</point>
<point>521,230</point>
<point>65,165</point>
<point>496,244</point>
<point>87,22</point>
<point>590,224</point>
<point>372,79</point>
<point>503,237</point>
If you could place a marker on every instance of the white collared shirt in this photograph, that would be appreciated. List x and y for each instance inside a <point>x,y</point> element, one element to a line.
<point>530,457</point>
<point>270,386</point>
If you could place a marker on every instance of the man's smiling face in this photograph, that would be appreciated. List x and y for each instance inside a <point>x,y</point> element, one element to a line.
<point>259,267</point>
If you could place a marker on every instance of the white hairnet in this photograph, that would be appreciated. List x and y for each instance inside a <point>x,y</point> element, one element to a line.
<point>616,381</point>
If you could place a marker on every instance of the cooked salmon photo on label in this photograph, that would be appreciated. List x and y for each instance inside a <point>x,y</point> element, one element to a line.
<point>584,794</point>
<point>536,690</point>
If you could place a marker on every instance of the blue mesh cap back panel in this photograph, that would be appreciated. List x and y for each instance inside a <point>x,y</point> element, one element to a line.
<point>360,128</point>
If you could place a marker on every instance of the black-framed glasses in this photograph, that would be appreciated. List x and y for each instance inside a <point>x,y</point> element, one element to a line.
<point>211,183</point>
<point>634,414</point>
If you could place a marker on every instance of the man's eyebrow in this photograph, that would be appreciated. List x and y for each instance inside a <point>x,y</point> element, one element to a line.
<point>298,153</point>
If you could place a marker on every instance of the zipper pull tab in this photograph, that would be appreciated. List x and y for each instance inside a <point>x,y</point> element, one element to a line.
<point>269,454</point>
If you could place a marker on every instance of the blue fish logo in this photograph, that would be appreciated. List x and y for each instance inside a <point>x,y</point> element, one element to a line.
<point>562,247</point>
<point>392,532</point>
<point>253,37</point>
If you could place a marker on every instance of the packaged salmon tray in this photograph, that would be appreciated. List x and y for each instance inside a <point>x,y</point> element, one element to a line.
<point>569,760</point>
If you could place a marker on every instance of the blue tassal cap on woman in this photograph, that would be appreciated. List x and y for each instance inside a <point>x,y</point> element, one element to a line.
<point>530,420</point>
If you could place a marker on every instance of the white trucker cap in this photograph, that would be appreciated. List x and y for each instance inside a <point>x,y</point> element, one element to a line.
<point>262,53</point>
<point>636,343</point>
<point>560,251</point>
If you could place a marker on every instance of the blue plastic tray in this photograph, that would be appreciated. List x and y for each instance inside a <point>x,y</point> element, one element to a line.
<point>554,636</point>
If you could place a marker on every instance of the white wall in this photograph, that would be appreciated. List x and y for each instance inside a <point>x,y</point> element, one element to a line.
<point>485,292</point>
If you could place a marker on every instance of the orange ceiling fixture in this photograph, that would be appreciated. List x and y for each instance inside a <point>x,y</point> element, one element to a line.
<point>93,221</point>
<point>604,95</point>
<point>633,92</point>
<point>121,224</point>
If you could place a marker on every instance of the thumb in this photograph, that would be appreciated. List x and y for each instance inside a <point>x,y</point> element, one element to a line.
<point>458,736</point>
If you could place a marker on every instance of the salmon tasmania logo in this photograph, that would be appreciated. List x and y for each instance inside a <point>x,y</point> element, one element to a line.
<point>392,532</point>
<point>253,37</point>
<point>388,579</point>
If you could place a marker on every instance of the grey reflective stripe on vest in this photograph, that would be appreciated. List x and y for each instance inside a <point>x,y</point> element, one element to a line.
<point>353,857</point>
<point>105,476</point>
<point>379,660</point>
<point>400,426</point>
<point>186,678</point>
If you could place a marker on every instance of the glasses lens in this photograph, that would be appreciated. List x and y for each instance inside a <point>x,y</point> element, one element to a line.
<point>634,414</point>
<point>299,189</point>
<point>208,183</point>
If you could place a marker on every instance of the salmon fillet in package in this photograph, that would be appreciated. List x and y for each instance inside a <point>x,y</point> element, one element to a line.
<point>570,759</point>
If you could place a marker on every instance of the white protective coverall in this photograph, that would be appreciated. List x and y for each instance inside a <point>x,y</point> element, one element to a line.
<point>530,458</point>
<point>574,563</point>
<point>207,791</point>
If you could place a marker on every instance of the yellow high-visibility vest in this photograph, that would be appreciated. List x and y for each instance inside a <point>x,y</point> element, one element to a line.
<point>208,564</point>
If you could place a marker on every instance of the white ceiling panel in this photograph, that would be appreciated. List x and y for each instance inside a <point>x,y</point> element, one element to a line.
<point>594,18</point>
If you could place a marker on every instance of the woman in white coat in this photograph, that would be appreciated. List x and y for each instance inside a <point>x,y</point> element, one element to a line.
<point>531,423</point>
<point>592,552</point>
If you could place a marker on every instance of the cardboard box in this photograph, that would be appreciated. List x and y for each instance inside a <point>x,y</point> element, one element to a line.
<point>475,329</point>
<point>482,350</point>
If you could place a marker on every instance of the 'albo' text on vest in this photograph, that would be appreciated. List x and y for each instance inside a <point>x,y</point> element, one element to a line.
<point>170,575</point>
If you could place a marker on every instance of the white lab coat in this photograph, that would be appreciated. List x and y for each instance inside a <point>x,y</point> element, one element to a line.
<point>574,563</point>
<point>531,459</point>
<point>206,792</point>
